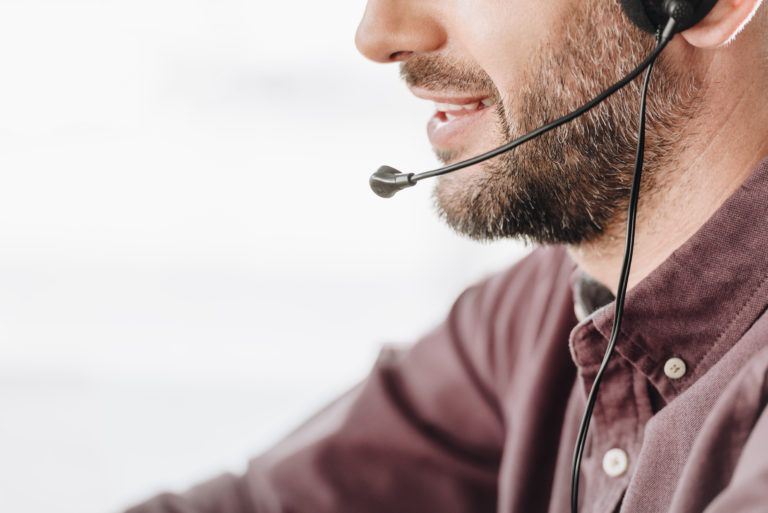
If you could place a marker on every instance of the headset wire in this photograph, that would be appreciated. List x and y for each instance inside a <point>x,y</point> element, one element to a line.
<point>662,38</point>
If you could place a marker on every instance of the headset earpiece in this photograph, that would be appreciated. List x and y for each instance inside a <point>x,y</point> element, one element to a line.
<point>681,10</point>
<point>650,15</point>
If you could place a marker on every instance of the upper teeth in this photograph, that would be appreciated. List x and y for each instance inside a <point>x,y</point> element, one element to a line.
<point>453,107</point>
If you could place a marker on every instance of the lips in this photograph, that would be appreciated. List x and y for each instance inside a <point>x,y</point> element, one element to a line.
<point>451,111</point>
<point>456,117</point>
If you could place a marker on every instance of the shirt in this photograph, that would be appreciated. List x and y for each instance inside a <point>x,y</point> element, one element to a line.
<point>481,414</point>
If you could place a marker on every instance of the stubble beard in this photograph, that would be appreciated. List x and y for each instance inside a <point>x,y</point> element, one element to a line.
<point>571,185</point>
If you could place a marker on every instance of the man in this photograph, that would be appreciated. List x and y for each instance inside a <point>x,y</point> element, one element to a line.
<point>481,414</point>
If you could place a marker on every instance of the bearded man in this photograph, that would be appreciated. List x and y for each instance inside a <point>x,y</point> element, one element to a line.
<point>481,414</point>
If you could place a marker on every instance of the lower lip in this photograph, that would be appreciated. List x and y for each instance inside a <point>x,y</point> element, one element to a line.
<point>449,135</point>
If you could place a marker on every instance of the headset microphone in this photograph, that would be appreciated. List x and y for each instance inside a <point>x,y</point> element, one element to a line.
<point>386,181</point>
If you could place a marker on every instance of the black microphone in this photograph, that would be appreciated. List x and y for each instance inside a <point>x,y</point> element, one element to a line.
<point>387,181</point>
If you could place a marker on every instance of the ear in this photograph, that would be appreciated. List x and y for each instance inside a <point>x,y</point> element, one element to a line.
<point>720,26</point>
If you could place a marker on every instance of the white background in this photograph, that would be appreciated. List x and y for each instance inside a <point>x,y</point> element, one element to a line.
<point>190,259</point>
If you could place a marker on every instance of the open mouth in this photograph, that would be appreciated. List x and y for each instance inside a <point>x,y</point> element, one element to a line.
<point>451,111</point>
<point>460,117</point>
<point>458,122</point>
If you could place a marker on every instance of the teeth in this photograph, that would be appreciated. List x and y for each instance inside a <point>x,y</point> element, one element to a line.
<point>454,107</point>
<point>450,117</point>
<point>448,107</point>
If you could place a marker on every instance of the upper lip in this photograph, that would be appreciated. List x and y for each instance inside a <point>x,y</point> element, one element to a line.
<point>445,97</point>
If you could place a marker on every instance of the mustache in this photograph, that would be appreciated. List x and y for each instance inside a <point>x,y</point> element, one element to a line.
<point>440,73</point>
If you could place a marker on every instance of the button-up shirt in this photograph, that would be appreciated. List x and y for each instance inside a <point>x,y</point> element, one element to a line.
<point>481,414</point>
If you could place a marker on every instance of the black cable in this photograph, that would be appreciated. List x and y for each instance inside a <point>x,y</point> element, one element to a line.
<point>662,39</point>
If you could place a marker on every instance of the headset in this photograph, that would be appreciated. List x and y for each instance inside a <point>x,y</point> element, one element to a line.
<point>665,18</point>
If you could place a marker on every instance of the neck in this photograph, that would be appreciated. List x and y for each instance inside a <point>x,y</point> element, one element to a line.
<point>728,142</point>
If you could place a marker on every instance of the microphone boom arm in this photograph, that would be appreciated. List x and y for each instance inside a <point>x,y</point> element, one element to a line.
<point>387,181</point>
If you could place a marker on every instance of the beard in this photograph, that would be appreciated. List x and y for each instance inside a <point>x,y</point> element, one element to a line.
<point>572,184</point>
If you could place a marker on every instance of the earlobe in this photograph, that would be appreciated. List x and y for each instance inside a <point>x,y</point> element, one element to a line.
<point>720,26</point>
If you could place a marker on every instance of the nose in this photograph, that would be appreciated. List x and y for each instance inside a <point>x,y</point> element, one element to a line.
<point>393,30</point>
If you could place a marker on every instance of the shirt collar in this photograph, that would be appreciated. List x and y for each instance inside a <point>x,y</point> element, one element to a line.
<point>696,304</point>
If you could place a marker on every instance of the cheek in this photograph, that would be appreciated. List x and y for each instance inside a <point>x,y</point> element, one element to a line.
<point>500,36</point>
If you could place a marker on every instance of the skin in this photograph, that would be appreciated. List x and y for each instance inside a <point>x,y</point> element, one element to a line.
<point>719,144</point>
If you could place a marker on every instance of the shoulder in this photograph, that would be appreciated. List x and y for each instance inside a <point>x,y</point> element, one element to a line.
<point>532,286</point>
<point>544,266</point>
<point>518,316</point>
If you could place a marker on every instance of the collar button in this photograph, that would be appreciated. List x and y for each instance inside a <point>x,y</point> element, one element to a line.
<point>675,368</point>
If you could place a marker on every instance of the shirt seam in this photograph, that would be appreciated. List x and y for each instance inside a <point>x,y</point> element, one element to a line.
<point>727,328</point>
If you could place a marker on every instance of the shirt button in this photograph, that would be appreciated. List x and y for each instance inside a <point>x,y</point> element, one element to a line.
<point>615,462</point>
<point>675,368</point>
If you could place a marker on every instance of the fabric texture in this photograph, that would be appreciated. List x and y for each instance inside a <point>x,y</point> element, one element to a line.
<point>481,414</point>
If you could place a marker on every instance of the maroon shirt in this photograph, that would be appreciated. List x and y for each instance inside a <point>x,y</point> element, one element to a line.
<point>481,414</point>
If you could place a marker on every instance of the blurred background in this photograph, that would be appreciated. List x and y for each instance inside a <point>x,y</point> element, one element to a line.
<point>190,259</point>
